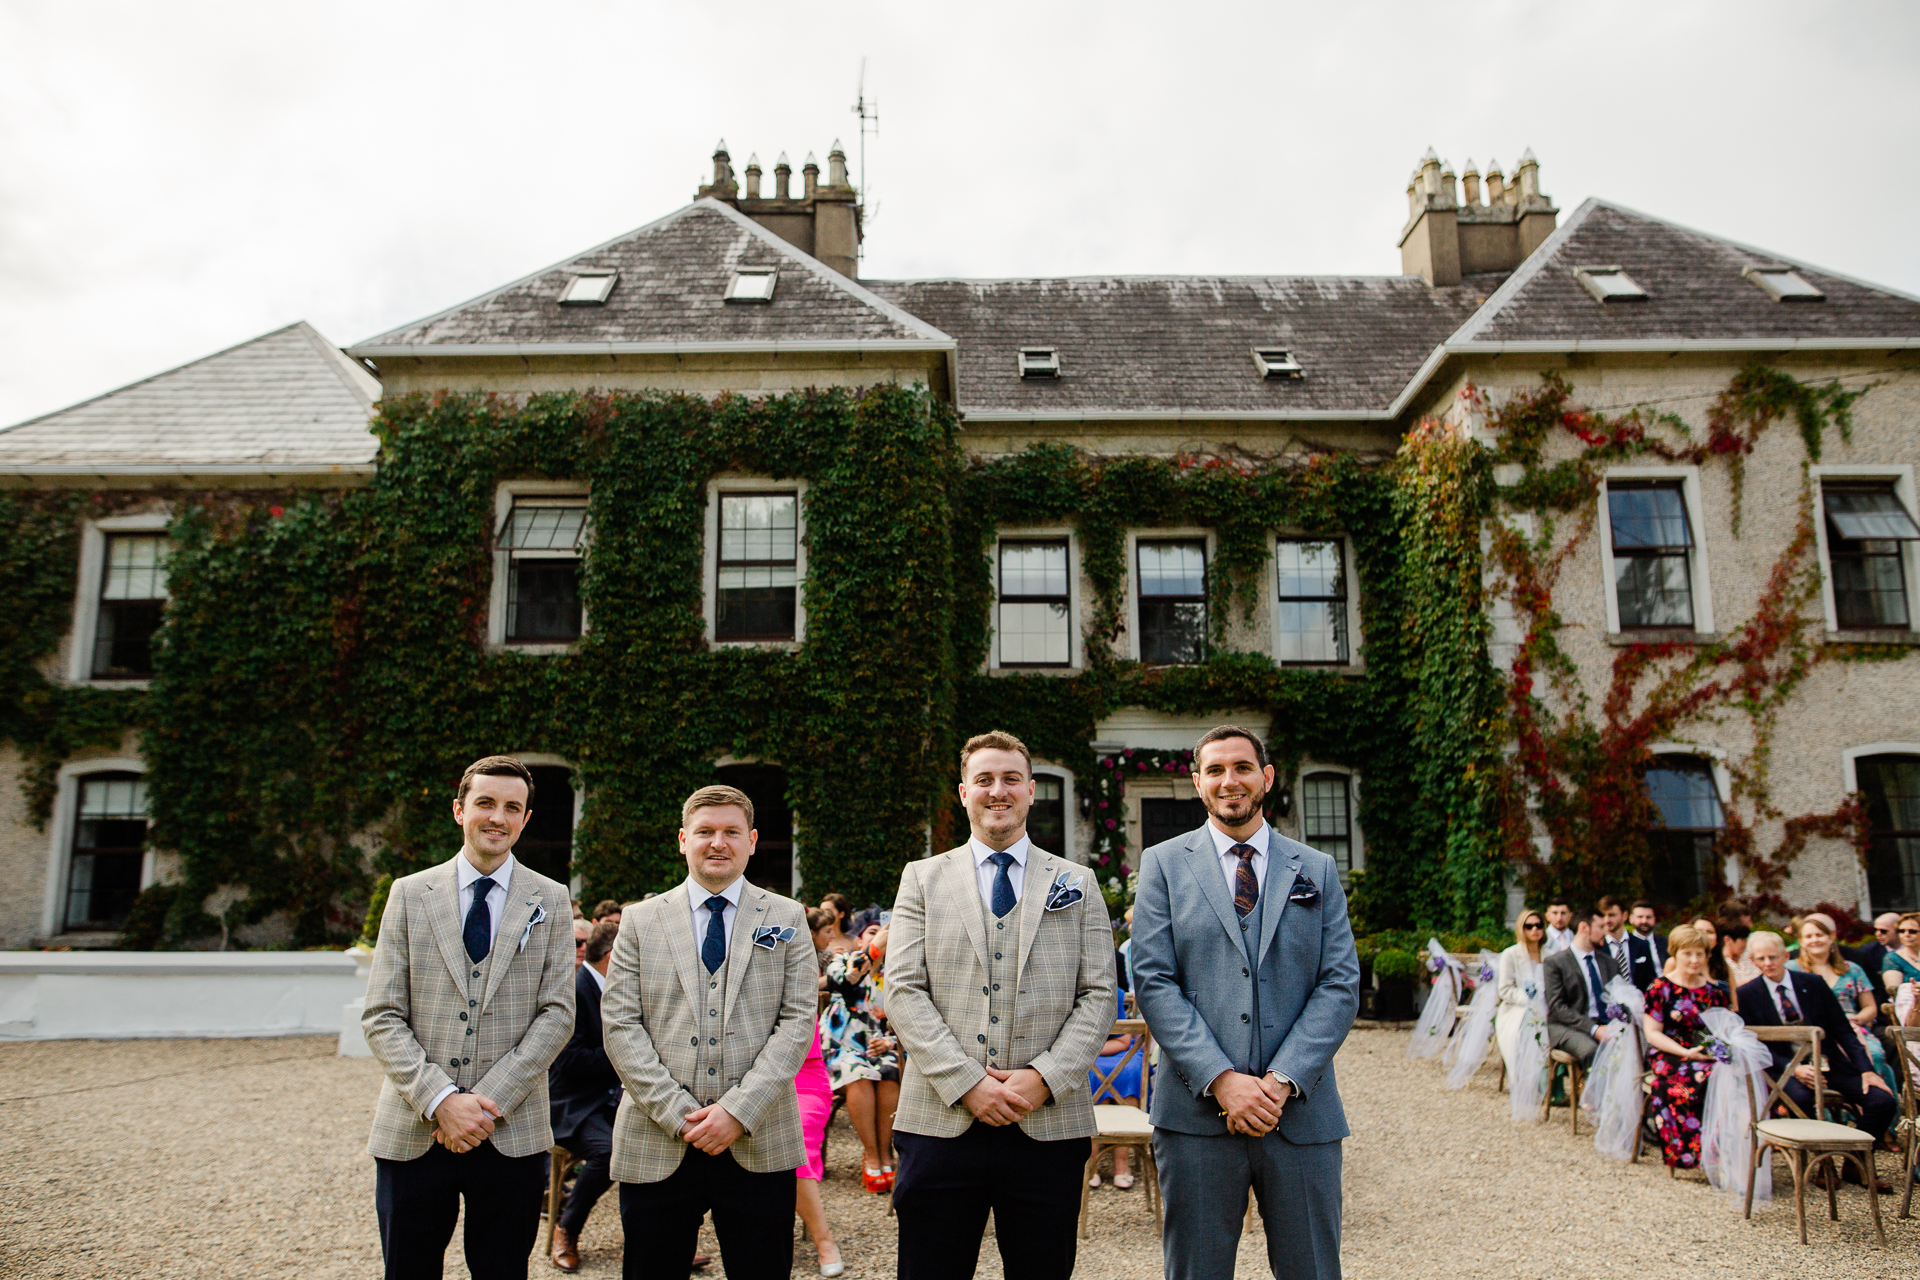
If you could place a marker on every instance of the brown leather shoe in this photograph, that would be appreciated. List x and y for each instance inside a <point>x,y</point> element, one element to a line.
<point>566,1250</point>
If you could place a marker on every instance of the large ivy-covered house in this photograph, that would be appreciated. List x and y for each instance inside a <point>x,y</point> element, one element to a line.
<point>1578,557</point>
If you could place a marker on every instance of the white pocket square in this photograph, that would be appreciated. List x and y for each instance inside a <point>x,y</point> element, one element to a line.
<point>539,914</point>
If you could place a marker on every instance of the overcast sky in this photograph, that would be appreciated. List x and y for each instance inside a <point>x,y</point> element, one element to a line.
<point>179,177</point>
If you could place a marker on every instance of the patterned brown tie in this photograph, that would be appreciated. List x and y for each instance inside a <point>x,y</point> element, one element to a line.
<point>1246,888</point>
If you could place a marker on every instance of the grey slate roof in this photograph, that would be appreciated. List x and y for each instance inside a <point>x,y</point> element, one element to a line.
<point>1695,288</point>
<point>671,292</point>
<point>287,400</point>
<point>1159,346</point>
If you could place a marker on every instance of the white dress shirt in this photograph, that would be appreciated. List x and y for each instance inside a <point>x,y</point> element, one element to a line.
<point>986,873</point>
<point>697,895</point>
<point>1230,861</point>
<point>467,874</point>
<point>1557,940</point>
<point>599,978</point>
<point>1622,958</point>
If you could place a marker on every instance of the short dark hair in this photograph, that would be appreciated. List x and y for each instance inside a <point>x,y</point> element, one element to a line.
<point>1595,912</point>
<point>1642,902</point>
<point>495,767</point>
<point>1559,900</point>
<point>1221,732</point>
<point>817,919</point>
<point>607,907</point>
<point>601,940</point>
<point>994,740</point>
<point>1608,903</point>
<point>841,907</point>
<point>717,797</point>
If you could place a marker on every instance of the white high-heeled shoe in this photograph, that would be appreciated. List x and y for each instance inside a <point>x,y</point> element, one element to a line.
<point>831,1269</point>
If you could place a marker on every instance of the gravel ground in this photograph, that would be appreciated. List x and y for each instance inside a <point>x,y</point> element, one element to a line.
<point>245,1158</point>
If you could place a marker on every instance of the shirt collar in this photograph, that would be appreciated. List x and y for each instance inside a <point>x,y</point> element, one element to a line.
<point>1223,842</point>
<point>1019,849</point>
<point>599,978</point>
<point>466,873</point>
<point>698,893</point>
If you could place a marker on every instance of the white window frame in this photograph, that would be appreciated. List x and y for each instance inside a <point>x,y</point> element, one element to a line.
<point>1073,852</point>
<point>66,805</point>
<point>1589,280</point>
<point>1076,655</point>
<point>710,565</point>
<point>1352,576</point>
<point>1701,583</point>
<point>503,497</point>
<point>1902,477</point>
<point>1850,781</point>
<point>1134,538</point>
<point>546,759</point>
<point>1039,362</point>
<point>1356,837</point>
<point>86,595</point>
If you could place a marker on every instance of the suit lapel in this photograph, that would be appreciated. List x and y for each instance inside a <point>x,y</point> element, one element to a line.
<point>443,910</point>
<point>963,895</point>
<point>1036,879</point>
<point>522,898</point>
<point>1203,864</point>
<point>679,932</point>
<point>748,916</point>
<point>1282,871</point>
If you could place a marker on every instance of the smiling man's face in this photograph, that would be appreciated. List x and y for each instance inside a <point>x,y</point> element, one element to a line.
<point>716,843</point>
<point>1232,782</point>
<point>997,791</point>
<point>492,815</point>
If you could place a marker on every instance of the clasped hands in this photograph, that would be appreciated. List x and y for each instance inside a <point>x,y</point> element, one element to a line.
<point>463,1121</point>
<point>1003,1097</point>
<point>1252,1103</point>
<point>711,1129</point>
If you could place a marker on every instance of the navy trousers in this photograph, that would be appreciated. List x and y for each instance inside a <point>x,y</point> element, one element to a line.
<point>418,1200</point>
<point>946,1187</point>
<point>752,1216</point>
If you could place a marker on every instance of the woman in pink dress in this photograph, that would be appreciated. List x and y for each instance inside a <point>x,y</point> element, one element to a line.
<point>816,1108</point>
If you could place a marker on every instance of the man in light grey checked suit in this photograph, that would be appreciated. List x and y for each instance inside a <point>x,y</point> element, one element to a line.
<point>1000,986</point>
<point>470,999</point>
<point>707,1016</point>
<point>1245,970</point>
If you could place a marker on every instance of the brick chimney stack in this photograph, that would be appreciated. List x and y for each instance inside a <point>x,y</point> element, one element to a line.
<point>824,222</point>
<point>1447,237</point>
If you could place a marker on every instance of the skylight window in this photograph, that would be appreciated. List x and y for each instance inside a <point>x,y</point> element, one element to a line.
<point>1783,284</point>
<point>1277,362</point>
<point>752,284</point>
<point>1609,284</point>
<point>1039,362</point>
<point>588,288</point>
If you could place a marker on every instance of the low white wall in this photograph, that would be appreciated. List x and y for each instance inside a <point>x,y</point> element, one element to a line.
<point>124,995</point>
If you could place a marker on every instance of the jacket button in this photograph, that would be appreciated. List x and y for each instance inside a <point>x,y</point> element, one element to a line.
<point>1244,973</point>
<point>710,1070</point>
<point>981,1039</point>
<point>996,955</point>
<point>476,973</point>
<point>463,1017</point>
<point>694,1041</point>
<point>1244,1018</point>
<point>996,986</point>
<point>465,1061</point>
<point>984,991</point>
<point>992,1052</point>
<point>453,1062</point>
<point>469,1030</point>
<point>713,1039</point>
<point>993,1018</point>
<point>472,1003</point>
<point>1000,924</point>
<point>713,1013</point>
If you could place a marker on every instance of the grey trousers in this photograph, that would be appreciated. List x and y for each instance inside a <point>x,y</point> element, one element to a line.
<point>1578,1043</point>
<point>1205,1181</point>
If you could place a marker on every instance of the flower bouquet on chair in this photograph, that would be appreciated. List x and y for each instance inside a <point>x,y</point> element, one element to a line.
<point>1436,1019</point>
<point>1612,1095</point>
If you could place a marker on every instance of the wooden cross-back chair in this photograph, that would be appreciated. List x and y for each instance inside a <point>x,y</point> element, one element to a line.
<point>1806,1141</point>
<point>1121,1123</point>
<point>1903,1049</point>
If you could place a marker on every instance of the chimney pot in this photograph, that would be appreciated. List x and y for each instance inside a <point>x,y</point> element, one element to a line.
<point>836,166</point>
<point>782,178</point>
<point>1470,184</point>
<point>811,172</point>
<point>753,177</point>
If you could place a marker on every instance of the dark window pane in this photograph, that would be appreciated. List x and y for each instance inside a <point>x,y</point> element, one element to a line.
<point>1653,591</point>
<point>544,601</point>
<point>1654,516</point>
<point>756,588</point>
<point>1869,585</point>
<point>1172,631</point>
<point>1047,820</point>
<point>546,842</point>
<point>1867,511</point>
<point>1681,866</point>
<point>1684,795</point>
<point>1891,786</point>
<point>1325,818</point>
<point>123,638</point>
<point>1162,820</point>
<point>109,836</point>
<point>755,604</point>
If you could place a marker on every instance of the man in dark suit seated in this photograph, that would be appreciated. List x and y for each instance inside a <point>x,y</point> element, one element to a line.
<point>1646,948</point>
<point>1786,997</point>
<point>585,1094</point>
<point>1576,980</point>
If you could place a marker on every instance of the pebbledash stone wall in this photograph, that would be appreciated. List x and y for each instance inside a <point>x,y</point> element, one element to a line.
<point>1842,705</point>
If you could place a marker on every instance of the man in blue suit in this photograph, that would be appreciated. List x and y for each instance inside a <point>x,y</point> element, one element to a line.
<point>1245,970</point>
<point>584,1094</point>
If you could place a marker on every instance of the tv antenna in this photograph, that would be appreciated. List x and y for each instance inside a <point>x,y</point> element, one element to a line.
<point>869,113</point>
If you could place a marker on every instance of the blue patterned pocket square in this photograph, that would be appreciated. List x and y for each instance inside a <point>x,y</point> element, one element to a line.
<point>1305,891</point>
<point>769,936</point>
<point>1064,893</point>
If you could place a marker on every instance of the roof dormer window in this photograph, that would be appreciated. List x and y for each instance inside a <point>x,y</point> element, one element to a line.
<point>752,284</point>
<point>1039,362</point>
<point>1783,284</point>
<point>1277,362</point>
<point>1609,284</point>
<point>588,288</point>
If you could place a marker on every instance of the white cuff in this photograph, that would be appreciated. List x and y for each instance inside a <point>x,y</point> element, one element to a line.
<point>439,1098</point>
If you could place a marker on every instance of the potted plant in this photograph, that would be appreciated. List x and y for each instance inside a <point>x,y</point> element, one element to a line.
<point>1394,972</point>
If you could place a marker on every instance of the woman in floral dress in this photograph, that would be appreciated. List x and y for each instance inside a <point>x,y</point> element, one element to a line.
<point>1674,1032</point>
<point>863,1058</point>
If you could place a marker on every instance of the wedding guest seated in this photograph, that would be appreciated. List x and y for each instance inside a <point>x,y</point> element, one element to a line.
<point>1674,1031</point>
<point>583,1092</point>
<point>582,930</point>
<point>1906,1013</point>
<point>1849,985</point>
<point>1716,963</point>
<point>1642,920</point>
<point>1782,997</point>
<point>1576,981</point>
<point>1734,929</point>
<point>607,910</point>
<point>1559,926</point>
<point>1902,964</point>
<point>1521,983</point>
<point>862,1055</point>
<point>1870,954</point>
<point>836,935</point>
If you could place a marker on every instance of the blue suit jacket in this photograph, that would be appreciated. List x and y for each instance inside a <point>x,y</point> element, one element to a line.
<point>1191,982</point>
<point>1818,1007</point>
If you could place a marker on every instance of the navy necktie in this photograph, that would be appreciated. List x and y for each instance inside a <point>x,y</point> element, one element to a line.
<point>1789,1011</point>
<point>478,934</point>
<point>713,952</point>
<point>1593,978</point>
<point>1003,898</point>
